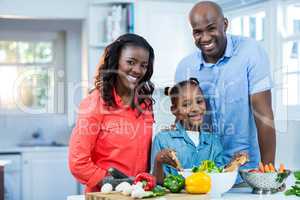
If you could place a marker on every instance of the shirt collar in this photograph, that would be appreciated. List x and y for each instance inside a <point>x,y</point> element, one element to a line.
<point>181,133</point>
<point>228,53</point>
<point>117,98</point>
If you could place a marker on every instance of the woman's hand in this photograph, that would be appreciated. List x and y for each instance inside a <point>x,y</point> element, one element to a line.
<point>168,156</point>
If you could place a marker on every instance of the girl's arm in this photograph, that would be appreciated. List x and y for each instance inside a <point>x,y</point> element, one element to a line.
<point>158,171</point>
<point>159,157</point>
<point>156,165</point>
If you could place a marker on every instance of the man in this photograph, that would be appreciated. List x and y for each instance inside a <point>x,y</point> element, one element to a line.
<point>234,74</point>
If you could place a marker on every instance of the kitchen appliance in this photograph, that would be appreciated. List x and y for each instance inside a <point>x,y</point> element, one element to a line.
<point>12,176</point>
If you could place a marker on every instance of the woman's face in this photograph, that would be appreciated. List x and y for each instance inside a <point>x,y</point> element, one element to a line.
<point>133,64</point>
<point>190,107</point>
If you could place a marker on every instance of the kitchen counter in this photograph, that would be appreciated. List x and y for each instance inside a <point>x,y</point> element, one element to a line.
<point>237,194</point>
<point>233,194</point>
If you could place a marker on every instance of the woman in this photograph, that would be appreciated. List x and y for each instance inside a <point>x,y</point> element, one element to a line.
<point>114,125</point>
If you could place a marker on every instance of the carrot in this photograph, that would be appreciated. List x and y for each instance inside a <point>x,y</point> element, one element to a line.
<point>261,167</point>
<point>281,168</point>
<point>272,169</point>
<point>267,169</point>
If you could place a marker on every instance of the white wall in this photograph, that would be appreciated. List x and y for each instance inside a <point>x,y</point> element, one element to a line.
<point>288,144</point>
<point>64,9</point>
<point>14,128</point>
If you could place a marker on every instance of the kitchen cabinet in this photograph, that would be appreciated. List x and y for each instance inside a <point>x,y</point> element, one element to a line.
<point>107,19</point>
<point>46,176</point>
<point>164,24</point>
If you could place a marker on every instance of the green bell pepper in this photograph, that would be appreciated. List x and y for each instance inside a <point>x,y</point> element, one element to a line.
<point>175,183</point>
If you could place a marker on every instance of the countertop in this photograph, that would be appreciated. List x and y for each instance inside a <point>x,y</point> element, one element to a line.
<point>238,194</point>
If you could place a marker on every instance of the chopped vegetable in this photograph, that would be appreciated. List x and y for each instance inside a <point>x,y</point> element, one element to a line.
<point>106,188</point>
<point>174,183</point>
<point>295,190</point>
<point>156,192</point>
<point>281,168</point>
<point>267,169</point>
<point>297,175</point>
<point>138,192</point>
<point>198,183</point>
<point>272,168</point>
<point>159,190</point>
<point>261,167</point>
<point>127,190</point>
<point>207,166</point>
<point>122,186</point>
<point>149,181</point>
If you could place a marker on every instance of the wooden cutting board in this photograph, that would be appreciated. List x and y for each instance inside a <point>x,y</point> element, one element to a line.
<point>170,196</point>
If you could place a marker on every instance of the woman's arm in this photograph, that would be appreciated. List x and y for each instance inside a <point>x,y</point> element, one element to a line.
<point>82,143</point>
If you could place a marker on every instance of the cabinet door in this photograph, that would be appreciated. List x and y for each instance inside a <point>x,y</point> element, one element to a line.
<point>46,176</point>
<point>166,26</point>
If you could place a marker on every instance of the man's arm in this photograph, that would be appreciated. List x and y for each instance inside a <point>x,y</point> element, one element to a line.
<point>262,109</point>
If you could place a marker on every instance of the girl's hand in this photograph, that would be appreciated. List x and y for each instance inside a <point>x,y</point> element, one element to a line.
<point>166,156</point>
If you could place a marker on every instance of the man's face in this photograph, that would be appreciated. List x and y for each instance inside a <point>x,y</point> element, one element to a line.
<point>209,32</point>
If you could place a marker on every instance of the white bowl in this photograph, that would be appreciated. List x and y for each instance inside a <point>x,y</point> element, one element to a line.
<point>220,182</point>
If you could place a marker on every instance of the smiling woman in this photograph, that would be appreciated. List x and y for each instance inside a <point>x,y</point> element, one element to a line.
<point>114,125</point>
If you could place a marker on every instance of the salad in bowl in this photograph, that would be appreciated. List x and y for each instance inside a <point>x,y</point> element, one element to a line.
<point>222,178</point>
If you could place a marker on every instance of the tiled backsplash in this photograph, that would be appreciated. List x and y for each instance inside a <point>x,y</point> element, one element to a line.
<point>17,128</point>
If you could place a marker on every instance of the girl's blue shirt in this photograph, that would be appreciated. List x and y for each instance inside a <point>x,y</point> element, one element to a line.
<point>189,155</point>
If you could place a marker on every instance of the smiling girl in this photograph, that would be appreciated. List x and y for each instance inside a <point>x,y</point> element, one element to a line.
<point>114,124</point>
<point>191,144</point>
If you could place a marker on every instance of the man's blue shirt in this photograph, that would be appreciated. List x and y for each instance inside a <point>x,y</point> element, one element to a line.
<point>227,85</point>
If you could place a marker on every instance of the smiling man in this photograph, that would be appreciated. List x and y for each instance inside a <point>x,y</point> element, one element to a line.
<point>234,73</point>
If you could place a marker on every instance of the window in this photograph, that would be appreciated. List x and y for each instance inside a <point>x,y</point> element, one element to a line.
<point>276,24</point>
<point>30,64</point>
<point>251,25</point>
<point>291,55</point>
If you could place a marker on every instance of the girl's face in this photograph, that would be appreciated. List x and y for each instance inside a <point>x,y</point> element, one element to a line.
<point>190,107</point>
<point>133,64</point>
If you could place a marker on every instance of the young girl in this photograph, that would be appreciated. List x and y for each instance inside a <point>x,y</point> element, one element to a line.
<point>191,144</point>
<point>114,125</point>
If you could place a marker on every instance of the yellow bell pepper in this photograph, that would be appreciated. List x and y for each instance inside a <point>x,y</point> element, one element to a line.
<point>198,183</point>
